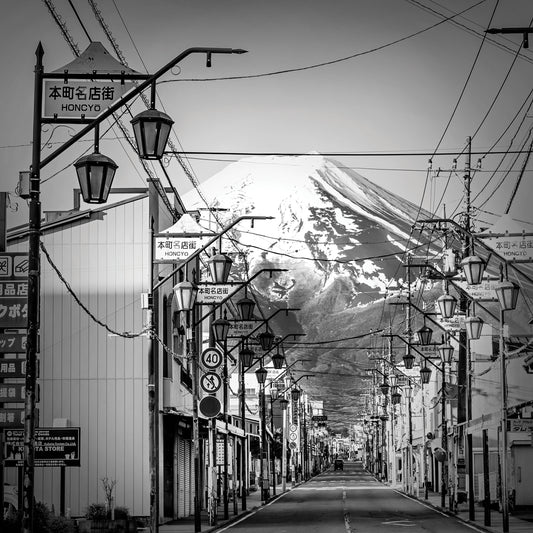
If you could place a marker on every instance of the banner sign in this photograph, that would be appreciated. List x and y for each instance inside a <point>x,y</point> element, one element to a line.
<point>485,291</point>
<point>53,447</point>
<point>76,98</point>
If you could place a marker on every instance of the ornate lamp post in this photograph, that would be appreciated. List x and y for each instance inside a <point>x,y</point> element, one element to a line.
<point>507,293</point>
<point>261,375</point>
<point>473,269</point>
<point>424,335</point>
<point>447,304</point>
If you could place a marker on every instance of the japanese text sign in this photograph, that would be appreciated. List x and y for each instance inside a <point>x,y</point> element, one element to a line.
<point>77,98</point>
<point>53,447</point>
<point>173,249</point>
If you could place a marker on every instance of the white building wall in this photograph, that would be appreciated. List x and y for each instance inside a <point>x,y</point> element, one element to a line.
<point>95,380</point>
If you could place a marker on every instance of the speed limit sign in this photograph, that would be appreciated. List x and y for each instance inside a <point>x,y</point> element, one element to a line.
<point>211,358</point>
<point>210,382</point>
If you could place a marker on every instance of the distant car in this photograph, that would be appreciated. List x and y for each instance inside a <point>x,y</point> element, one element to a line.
<point>338,464</point>
<point>10,499</point>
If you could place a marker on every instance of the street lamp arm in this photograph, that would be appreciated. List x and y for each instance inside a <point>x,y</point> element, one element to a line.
<point>478,240</point>
<point>130,95</point>
<point>210,242</point>
<point>457,287</point>
<point>263,321</point>
<point>243,284</point>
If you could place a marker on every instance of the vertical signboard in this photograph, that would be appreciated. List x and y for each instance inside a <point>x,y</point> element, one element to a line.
<point>13,290</point>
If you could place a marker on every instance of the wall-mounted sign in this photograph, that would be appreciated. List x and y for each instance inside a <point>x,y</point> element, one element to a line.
<point>13,290</point>
<point>13,342</point>
<point>11,417</point>
<point>12,392</point>
<point>53,447</point>
<point>12,368</point>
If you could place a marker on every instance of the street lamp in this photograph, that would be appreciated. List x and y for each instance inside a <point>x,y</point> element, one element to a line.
<point>185,293</point>
<point>446,352</point>
<point>424,335</point>
<point>425,374</point>
<point>266,340</point>
<point>473,326</point>
<point>395,396</point>
<point>247,356</point>
<point>219,267</point>
<point>384,387</point>
<point>408,360</point>
<point>447,304</point>
<point>246,308</point>
<point>473,268</point>
<point>278,359</point>
<point>220,328</point>
<point>151,129</point>
<point>95,175</point>
<point>261,374</point>
<point>507,293</point>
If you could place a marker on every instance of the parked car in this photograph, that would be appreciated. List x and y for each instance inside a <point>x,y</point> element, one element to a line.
<point>10,499</point>
<point>338,464</point>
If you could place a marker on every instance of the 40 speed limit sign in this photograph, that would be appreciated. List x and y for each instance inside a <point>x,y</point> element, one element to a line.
<point>210,382</point>
<point>211,358</point>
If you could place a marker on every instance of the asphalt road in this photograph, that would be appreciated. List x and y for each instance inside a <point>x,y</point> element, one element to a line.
<point>347,501</point>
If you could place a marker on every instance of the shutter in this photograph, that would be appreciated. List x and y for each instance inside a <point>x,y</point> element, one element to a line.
<point>181,478</point>
<point>187,479</point>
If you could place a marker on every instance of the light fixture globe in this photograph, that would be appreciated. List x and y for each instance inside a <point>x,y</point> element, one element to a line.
<point>274,393</point>
<point>395,397</point>
<point>246,308</point>
<point>424,335</point>
<point>261,375</point>
<point>185,293</point>
<point>408,360</point>
<point>220,328</point>
<point>408,392</point>
<point>266,340</point>
<point>95,176</point>
<point>473,268</point>
<point>247,356</point>
<point>447,304</point>
<point>507,293</point>
<point>277,360</point>
<point>295,395</point>
<point>473,326</point>
<point>446,352</point>
<point>283,403</point>
<point>219,267</point>
<point>384,387</point>
<point>151,129</point>
<point>425,374</point>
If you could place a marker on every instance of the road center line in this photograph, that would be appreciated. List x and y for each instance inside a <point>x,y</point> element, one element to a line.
<point>347,525</point>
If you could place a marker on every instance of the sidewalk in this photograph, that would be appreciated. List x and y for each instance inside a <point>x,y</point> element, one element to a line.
<point>253,501</point>
<point>519,522</point>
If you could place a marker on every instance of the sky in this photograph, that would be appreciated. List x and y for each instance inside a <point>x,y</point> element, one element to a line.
<point>367,77</point>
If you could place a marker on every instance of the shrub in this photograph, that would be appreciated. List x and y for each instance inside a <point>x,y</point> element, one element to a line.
<point>122,513</point>
<point>96,511</point>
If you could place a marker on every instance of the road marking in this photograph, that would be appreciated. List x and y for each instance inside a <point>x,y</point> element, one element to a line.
<point>402,523</point>
<point>346,513</point>
<point>439,512</point>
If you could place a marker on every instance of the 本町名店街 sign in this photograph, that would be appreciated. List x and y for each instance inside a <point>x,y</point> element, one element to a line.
<point>77,98</point>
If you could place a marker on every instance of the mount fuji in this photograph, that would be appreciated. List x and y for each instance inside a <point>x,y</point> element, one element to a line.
<point>341,239</point>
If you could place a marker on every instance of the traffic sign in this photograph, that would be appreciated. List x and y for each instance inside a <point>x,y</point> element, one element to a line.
<point>53,447</point>
<point>210,382</point>
<point>209,406</point>
<point>211,358</point>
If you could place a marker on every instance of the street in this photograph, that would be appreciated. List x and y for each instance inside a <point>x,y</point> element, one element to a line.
<point>344,502</point>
